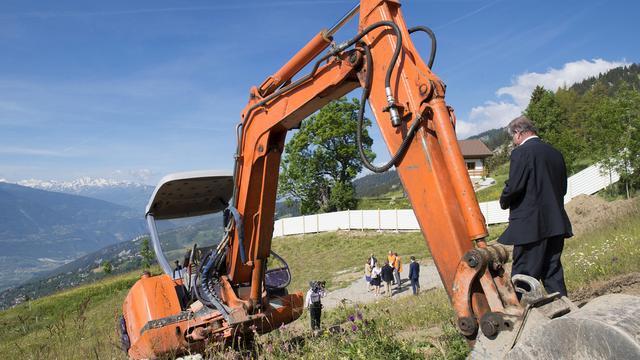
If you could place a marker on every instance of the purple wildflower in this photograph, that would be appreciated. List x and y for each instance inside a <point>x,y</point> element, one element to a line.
<point>359,315</point>
<point>366,323</point>
<point>351,318</point>
<point>354,327</point>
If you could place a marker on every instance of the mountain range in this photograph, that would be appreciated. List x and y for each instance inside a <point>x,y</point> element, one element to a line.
<point>125,193</point>
<point>41,230</point>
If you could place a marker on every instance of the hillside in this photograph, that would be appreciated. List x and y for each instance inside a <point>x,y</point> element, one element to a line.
<point>40,230</point>
<point>493,138</point>
<point>373,185</point>
<point>612,79</point>
<point>123,256</point>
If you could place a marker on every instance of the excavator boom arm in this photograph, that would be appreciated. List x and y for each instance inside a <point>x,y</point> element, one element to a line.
<point>422,133</point>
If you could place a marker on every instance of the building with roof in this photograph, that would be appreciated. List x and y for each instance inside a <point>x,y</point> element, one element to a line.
<point>475,152</point>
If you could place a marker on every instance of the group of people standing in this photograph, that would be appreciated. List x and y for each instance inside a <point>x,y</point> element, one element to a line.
<point>389,273</point>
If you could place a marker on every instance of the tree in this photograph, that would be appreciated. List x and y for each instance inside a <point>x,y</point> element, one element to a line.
<point>614,133</point>
<point>107,267</point>
<point>321,159</point>
<point>145,253</point>
<point>553,125</point>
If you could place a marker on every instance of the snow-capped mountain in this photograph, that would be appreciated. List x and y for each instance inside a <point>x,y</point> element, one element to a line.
<point>78,185</point>
<point>127,193</point>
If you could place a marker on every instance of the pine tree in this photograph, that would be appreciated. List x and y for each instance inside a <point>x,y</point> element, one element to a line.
<point>145,253</point>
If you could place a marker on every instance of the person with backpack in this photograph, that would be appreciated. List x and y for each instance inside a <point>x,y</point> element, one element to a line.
<point>314,304</point>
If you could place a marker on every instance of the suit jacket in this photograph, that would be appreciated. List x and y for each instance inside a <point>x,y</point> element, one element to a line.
<point>534,194</point>
<point>387,273</point>
<point>414,271</point>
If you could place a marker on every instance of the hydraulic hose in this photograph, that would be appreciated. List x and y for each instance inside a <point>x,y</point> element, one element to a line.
<point>363,100</point>
<point>429,32</point>
<point>241,128</point>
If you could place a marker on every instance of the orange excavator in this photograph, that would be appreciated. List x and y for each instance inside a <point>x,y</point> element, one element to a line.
<point>227,291</point>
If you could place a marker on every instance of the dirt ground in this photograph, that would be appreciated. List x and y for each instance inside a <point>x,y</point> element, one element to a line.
<point>624,284</point>
<point>588,212</point>
<point>357,292</point>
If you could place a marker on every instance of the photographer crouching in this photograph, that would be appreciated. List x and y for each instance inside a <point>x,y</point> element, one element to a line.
<point>313,302</point>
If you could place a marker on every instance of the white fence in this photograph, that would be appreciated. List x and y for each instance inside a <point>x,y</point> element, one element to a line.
<point>587,181</point>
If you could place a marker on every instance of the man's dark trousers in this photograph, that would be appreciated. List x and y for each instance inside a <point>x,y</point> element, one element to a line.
<point>315,311</point>
<point>415,286</point>
<point>541,260</point>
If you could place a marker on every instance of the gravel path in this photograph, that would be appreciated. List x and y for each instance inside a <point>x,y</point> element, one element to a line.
<point>357,292</point>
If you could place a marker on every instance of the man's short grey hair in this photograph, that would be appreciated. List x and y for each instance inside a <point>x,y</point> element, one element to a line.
<point>521,124</point>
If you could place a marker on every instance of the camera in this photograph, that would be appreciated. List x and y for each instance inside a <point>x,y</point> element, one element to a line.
<point>317,286</point>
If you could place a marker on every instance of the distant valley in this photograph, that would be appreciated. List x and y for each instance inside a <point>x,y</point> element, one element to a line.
<point>124,256</point>
<point>41,230</point>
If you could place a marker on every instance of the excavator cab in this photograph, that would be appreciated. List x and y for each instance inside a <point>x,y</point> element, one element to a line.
<point>163,314</point>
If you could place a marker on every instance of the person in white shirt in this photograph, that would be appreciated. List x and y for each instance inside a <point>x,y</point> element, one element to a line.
<point>313,302</point>
<point>375,279</point>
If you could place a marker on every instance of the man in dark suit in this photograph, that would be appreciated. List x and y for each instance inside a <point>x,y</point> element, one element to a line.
<point>414,275</point>
<point>534,195</point>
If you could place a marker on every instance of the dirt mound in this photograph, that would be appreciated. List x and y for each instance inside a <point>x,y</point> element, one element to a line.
<point>587,212</point>
<point>624,284</point>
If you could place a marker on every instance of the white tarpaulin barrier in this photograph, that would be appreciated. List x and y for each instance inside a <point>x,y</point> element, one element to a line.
<point>587,181</point>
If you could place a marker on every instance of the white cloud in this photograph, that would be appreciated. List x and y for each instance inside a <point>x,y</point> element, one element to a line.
<point>11,150</point>
<point>141,174</point>
<point>571,73</point>
<point>494,114</point>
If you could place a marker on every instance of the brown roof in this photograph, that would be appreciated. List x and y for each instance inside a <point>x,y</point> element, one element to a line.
<point>474,149</point>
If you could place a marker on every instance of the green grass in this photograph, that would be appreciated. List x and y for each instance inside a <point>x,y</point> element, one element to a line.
<point>603,253</point>
<point>339,257</point>
<point>412,327</point>
<point>500,175</point>
<point>74,324</point>
<point>394,199</point>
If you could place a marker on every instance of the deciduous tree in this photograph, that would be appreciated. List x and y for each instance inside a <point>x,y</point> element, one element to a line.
<point>321,159</point>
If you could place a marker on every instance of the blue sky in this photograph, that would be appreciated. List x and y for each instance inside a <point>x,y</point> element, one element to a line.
<point>135,90</point>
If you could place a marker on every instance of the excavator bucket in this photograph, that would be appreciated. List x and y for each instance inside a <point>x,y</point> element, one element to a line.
<point>608,327</point>
<point>552,327</point>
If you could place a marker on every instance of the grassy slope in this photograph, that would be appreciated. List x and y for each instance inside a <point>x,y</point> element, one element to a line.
<point>334,256</point>
<point>500,175</point>
<point>59,326</point>
<point>74,324</point>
